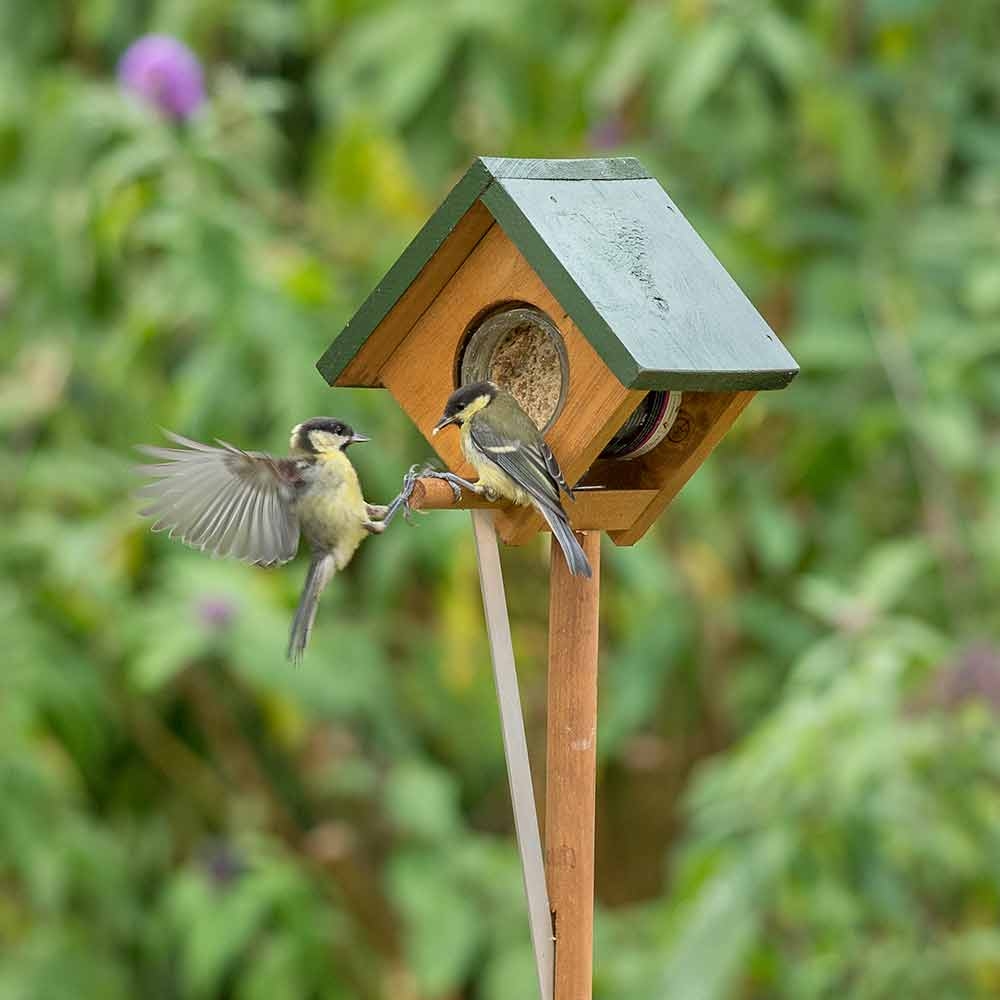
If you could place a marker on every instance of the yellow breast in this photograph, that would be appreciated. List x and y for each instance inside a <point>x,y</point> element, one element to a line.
<point>331,509</point>
<point>490,475</point>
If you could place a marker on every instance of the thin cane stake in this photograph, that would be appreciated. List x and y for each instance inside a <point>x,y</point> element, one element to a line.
<point>515,747</point>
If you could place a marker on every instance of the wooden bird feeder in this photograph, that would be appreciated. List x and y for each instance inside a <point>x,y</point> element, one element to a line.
<point>578,286</point>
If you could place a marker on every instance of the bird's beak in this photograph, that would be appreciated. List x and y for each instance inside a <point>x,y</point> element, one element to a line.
<point>359,439</point>
<point>443,423</point>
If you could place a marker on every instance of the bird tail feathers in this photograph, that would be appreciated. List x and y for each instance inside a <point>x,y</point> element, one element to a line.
<point>321,570</point>
<point>563,534</point>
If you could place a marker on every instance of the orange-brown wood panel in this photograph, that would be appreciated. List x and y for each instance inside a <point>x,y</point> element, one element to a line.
<point>703,420</point>
<point>571,766</point>
<point>449,257</point>
<point>608,510</point>
<point>420,371</point>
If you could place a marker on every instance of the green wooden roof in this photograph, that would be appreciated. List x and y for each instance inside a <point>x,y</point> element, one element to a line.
<point>622,260</point>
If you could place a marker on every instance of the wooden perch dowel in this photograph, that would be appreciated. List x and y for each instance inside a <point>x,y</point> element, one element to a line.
<point>593,510</point>
<point>436,494</point>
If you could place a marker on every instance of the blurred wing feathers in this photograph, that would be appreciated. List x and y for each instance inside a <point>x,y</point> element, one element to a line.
<point>223,500</point>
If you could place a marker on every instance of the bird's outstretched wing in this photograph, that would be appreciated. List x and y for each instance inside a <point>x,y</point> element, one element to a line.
<point>223,500</point>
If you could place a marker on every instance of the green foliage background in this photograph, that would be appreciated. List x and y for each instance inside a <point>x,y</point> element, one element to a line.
<point>800,756</point>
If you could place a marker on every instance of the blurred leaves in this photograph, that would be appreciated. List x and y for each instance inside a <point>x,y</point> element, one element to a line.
<point>801,663</point>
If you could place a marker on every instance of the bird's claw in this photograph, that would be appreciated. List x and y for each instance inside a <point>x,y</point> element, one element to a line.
<point>402,501</point>
<point>456,483</point>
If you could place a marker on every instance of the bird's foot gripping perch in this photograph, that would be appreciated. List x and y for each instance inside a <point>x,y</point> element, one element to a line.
<point>457,483</point>
<point>402,501</point>
<point>418,472</point>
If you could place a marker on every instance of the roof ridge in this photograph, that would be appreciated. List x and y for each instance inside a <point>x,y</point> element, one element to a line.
<point>607,168</point>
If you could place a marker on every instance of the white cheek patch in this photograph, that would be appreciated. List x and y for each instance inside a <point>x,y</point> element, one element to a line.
<point>325,441</point>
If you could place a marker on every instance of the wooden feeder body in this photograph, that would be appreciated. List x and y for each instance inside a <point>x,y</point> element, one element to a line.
<point>640,303</point>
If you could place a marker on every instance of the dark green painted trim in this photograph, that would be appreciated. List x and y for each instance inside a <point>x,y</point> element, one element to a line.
<point>712,381</point>
<point>485,181</point>
<point>424,245</point>
<point>620,168</point>
<point>571,297</point>
<point>403,273</point>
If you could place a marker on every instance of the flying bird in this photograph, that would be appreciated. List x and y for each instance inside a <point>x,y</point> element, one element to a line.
<point>254,507</point>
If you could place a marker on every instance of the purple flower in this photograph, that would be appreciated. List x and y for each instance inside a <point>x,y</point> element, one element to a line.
<point>165,73</point>
<point>222,863</point>
<point>608,133</point>
<point>216,612</point>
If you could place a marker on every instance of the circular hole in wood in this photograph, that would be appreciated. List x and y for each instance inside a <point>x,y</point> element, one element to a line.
<point>522,350</point>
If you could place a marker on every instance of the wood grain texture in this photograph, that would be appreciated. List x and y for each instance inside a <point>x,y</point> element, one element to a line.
<point>363,368</point>
<point>571,767</point>
<point>701,423</point>
<point>607,510</point>
<point>383,298</point>
<point>420,371</point>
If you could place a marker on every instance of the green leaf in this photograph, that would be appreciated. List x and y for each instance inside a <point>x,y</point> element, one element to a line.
<point>643,35</point>
<point>706,60</point>
<point>443,921</point>
<point>719,930</point>
<point>422,800</point>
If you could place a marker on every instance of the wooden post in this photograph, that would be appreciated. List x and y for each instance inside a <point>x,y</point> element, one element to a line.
<point>571,767</point>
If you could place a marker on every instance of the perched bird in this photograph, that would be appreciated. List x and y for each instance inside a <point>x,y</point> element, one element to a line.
<point>511,458</point>
<point>253,506</point>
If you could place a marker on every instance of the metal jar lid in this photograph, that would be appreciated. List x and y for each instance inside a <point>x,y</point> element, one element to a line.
<point>648,425</point>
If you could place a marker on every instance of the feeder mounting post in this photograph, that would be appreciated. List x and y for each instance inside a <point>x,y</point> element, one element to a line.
<point>571,766</point>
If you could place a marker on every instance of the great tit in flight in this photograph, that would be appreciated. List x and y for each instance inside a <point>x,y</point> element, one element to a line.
<point>253,506</point>
<point>511,458</point>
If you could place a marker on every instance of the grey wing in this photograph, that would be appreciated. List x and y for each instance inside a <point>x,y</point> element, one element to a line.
<point>529,461</point>
<point>553,467</point>
<point>223,500</point>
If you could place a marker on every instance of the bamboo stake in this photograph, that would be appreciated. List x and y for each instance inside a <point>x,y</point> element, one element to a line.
<point>515,746</point>
<point>571,767</point>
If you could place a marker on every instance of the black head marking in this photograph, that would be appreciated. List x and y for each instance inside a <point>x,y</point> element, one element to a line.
<point>328,425</point>
<point>467,394</point>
